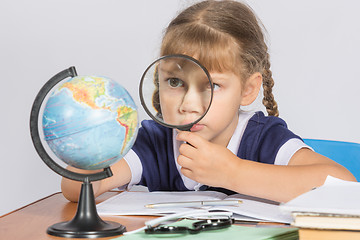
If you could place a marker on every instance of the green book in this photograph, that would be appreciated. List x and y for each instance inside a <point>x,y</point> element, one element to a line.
<point>233,232</point>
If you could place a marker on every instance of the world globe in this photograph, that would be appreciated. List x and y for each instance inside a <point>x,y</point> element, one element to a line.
<point>90,122</point>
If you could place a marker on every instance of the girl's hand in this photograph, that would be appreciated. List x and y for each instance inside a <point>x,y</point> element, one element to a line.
<point>216,166</point>
<point>205,162</point>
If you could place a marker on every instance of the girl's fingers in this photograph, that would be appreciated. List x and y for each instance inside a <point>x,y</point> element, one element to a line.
<point>190,138</point>
<point>184,161</point>
<point>187,172</point>
<point>188,150</point>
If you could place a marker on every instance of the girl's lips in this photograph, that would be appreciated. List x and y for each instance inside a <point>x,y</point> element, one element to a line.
<point>196,127</point>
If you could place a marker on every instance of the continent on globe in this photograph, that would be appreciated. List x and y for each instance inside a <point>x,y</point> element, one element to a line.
<point>90,122</point>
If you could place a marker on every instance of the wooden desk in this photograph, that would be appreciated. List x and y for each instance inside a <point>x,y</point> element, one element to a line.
<point>32,221</point>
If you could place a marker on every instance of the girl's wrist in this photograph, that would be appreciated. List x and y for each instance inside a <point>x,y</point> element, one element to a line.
<point>232,171</point>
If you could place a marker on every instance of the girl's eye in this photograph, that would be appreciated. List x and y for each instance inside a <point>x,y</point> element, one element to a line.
<point>175,82</point>
<point>216,86</point>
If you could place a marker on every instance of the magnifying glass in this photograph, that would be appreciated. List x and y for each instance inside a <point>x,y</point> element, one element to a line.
<point>176,91</point>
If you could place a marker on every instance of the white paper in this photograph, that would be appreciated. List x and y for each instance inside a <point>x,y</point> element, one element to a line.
<point>133,203</point>
<point>336,196</point>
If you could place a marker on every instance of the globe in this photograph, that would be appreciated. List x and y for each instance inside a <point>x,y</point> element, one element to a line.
<point>90,122</point>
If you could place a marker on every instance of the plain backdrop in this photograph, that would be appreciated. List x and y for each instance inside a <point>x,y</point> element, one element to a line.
<point>314,48</point>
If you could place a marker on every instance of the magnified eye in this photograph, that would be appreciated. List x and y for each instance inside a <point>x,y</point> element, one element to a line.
<point>175,82</point>
<point>216,87</point>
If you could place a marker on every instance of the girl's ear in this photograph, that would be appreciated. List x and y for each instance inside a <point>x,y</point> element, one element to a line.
<point>251,89</point>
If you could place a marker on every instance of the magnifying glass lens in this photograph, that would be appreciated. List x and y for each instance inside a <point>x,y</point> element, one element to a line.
<point>176,91</point>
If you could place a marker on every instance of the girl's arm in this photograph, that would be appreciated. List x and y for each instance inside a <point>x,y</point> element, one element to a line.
<point>215,165</point>
<point>306,170</point>
<point>121,176</point>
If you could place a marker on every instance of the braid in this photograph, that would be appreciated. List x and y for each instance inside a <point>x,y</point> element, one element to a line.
<point>268,83</point>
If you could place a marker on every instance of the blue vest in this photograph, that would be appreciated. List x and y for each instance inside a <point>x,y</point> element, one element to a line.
<point>262,138</point>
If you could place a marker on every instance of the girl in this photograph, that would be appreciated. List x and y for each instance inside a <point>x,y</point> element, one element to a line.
<point>228,149</point>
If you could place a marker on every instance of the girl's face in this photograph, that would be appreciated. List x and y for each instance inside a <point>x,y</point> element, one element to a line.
<point>221,120</point>
<point>184,91</point>
<point>185,99</point>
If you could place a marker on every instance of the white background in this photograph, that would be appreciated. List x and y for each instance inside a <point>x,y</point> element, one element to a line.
<point>314,47</point>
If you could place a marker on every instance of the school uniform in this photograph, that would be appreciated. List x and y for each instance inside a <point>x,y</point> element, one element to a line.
<point>259,138</point>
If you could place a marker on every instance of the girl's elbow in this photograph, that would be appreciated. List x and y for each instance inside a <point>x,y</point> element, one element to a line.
<point>350,177</point>
<point>342,173</point>
<point>70,190</point>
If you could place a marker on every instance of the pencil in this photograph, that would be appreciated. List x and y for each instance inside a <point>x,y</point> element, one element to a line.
<point>194,204</point>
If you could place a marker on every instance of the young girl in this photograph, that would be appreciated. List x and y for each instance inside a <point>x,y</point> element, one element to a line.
<point>229,149</point>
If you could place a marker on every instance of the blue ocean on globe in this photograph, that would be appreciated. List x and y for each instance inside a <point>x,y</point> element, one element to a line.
<point>90,122</point>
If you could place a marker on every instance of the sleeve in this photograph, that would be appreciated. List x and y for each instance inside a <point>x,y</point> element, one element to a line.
<point>265,137</point>
<point>151,159</point>
<point>287,150</point>
<point>136,169</point>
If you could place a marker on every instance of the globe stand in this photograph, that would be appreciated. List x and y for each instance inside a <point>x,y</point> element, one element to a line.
<point>86,222</point>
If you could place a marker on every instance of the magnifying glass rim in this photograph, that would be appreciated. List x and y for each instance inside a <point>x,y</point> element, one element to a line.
<point>186,127</point>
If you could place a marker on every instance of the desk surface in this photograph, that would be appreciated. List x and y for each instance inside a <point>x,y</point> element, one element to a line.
<point>32,221</point>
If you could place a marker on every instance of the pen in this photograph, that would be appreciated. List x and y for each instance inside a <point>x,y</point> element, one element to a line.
<point>194,204</point>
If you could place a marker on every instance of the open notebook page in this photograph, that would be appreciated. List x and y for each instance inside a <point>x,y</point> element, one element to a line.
<point>133,203</point>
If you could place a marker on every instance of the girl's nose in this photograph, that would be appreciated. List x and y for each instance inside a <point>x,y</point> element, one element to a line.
<point>192,102</point>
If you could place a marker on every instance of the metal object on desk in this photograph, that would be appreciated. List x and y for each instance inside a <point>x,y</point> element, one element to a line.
<point>197,227</point>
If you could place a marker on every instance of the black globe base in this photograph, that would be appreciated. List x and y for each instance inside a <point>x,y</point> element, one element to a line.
<point>70,230</point>
<point>86,222</point>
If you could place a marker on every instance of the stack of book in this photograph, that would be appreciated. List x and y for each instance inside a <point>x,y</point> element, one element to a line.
<point>326,221</point>
<point>331,211</point>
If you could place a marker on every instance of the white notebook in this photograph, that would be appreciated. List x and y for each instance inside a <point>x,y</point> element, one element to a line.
<point>133,203</point>
<point>336,196</point>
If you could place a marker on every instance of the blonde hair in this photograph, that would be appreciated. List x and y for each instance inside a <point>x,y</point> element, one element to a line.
<point>223,36</point>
